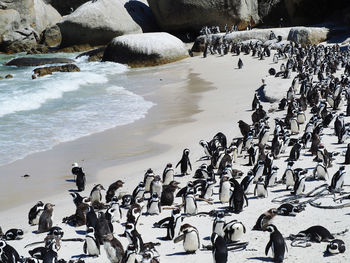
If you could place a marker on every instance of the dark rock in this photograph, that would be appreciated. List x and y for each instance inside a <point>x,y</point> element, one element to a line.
<point>65,7</point>
<point>30,62</point>
<point>94,55</point>
<point>49,70</point>
<point>8,76</point>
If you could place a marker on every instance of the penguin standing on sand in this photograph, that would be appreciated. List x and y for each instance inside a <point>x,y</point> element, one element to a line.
<point>45,220</point>
<point>34,213</point>
<point>295,152</point>
<point>240,63</point>
<point>168,174</point>
<point>112,190</point>
<point>91,245</point>
<point>134,237</point>
<point>153,205</point>
<point>219,248</point>
<point>139,191</point>
<point>190,205</point>
<point>76,169</point>
<point>219,223</point>
<point>338,180</point>
<point>172,224</point>
<point>260,190</point>
<point>247,182</point>
<point>114,249</point>
<point>185,162</point>
<point>225,189</point>
<point>289,178</point>
<point>80,180</point>
<point>95,195</point>
<point>167,197</point>
<point>234,231</point>
<point>255,102</point>
<point>299,186</point>
<point>102,228</point>
<point>238,198</point>
<point>147,179</point>
<point>271,179</point>
<point>156,185</point>
<point>190,238</point>
<point>276,243</point>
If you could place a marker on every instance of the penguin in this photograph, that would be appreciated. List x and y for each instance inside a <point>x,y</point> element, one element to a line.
<point>156,185</point>
<point>201,172</point>
<point>190,204</point>
<point>96,196</point>
<point>294,126</point>
<point>264,136</point>
<point>301,118</point>
<point>91,245</point>
<point>258,170</point>
<point>126,201</point>
<point>91,218</point>
<point>276,243</point>
<point>336,246</point>
<point>299,186</point>
<point>80,180</point>
<point>316,234</point>
<point>271,179</point>
<point>134,237</point>
<point>253,152</point>
<point>240,63</point>
<point>338,180</point>
<point>75,169</point>
<point>133,214</point>
<point>49,255</point>
<point>55,234</point>
<point>288,209</point>
<point>153,205</point>
<point>185,162</point>
<point>338,124</point>
<point>238,198</point>
<point>102,228</point>
<point>35,212</point>
<point>112,190</point>
<point>234,231</point>
<point>219,224</point>
<point>114,249</point>
<point>255,102</point>
<point>139,191</point>
<point>45,220</point>
<point>208,190</point>
<point>167,196</point>
<point>130,254</point>
<point>168,174</point>
<point>225,189</point>
<point>190,238</point>
<point>347,155</point>
<point>13,234</point>
<point>260,190</point>
<point>265,219</point>
<point>247,182</point>
<point>173,225</point>
<point>77,199</point>
<point>320,172</point>
<point>109,214</point>
<point>295,152</point>
<point>219,250</point>
<point>147,179</point>
<point>244,128</point>
<point>117,215</point>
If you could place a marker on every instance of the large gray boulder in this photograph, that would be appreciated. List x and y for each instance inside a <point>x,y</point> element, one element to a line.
<point>149,49</point>
<point>308,35</point>
<point>99,22</point>
<point>192,15</point>
<point>22,21</point>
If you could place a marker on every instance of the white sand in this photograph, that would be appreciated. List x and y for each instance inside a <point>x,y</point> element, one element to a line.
<point>221,108</point>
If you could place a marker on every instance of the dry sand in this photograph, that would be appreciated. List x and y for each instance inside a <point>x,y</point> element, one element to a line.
<point>211,97</point>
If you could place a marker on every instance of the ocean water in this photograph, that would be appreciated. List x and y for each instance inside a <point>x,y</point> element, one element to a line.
<point>36,115</point>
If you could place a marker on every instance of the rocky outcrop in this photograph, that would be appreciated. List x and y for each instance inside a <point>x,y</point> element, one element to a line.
<point>51,37</point>
<point>308,35</point>
<point>93,55</point>
<point>39,72</point>
<point>149,49</point>
<point>192,15</point>
<point>65,7</point>
<point>22,21</point>
<point>99,22</point>
<point>34,61</point>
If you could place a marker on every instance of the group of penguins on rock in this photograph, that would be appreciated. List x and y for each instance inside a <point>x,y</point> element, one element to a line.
<point>322,98</point>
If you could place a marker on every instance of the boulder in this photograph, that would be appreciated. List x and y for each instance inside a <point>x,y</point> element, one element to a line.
<point>65,7</point>
<point>93,55</point>
<point>308,35</point>
<point>52,37</point>
<point>9,20</point>
<point>99,22</point>
<point>149,49</point>
<point>192,15</point>
<point>34,61</point>
<point>39,72</point>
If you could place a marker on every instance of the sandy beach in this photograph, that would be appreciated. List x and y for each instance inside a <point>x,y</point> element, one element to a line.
<point>199,97</point>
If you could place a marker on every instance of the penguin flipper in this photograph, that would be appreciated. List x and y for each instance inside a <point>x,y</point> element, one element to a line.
<point>179,238</point>
<point>85,248</point>
<point>178,164</point>
<point>245,198</point>
<point>268,247</point>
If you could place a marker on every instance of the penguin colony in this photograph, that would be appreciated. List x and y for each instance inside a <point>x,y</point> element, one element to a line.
<point>314,107</point>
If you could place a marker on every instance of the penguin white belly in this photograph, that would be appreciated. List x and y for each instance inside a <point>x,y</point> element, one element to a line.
<point>259,173</point>
<point>157,188</point>
<point>35,221</point>
<point>265,138</point>
<point>238,232</point>
<point>209,193</point>
<point>273,179</point>
<point>131,258</point>
<point>148,181</point>
<point>340,182</point>
<point>300,188</point>
<point>153,209</point>
<point>190,206</point>
<point>294,126</point>
<point>91,247</point>
<point>289,180</point>
<point>219,229</point>
<point>225,193</point>
<point>169,176</point>
<point>301,118</point>
<point>248,190</point>
<point>260,191</point>
<point>321,173</point>
<point>95,196</point>
<point>234,155</point>
<point>191,243</point>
